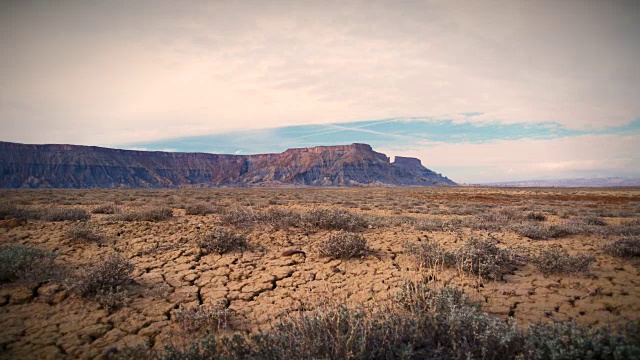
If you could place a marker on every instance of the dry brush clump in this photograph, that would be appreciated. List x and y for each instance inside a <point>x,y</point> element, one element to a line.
<point>200,209</point>
<point>559,261</point>
<point>106,209</point>
<point>221,241</point>
<point>537,231</point>
<point>84,232</point>
<point>479,256</point>
<point>153,214</point>
<point>8,211</point>
<point>624,248</point>
<point>421,324</point>
<point>203,318</point>
<point>483,257</point>
<point>343,245</point>
<point>105,281</point>
<point>20,263</point>
<point>334,219</point>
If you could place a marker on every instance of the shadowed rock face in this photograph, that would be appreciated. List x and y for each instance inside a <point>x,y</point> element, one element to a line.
<point>72,166</point>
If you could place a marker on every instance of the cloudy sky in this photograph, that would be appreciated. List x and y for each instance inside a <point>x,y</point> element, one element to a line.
<point>479,90</point>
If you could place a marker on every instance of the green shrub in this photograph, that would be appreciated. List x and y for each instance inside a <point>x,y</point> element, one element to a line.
<point>221,241</point>
<point>555,261</point>
<point>343,245</point>
<point>624,248</point>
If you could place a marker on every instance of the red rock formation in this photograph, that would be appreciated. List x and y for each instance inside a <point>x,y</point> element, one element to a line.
<point>72,166</point>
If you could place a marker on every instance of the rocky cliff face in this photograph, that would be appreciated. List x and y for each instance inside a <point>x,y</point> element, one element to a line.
<point>72,166</point>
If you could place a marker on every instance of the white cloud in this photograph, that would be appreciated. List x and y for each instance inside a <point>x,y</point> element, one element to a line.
<point>104,73</point>
<point>588,156</point>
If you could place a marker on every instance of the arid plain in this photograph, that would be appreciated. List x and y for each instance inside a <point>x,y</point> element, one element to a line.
<point>105,270</point>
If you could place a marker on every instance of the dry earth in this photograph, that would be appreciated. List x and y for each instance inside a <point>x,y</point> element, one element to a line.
<point>258,285</point>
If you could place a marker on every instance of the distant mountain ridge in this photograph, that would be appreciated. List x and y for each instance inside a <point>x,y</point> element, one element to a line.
<point>75,166</point>
<point>580,182</point>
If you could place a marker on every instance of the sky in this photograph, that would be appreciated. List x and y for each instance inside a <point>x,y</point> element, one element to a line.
<point>481,91</point>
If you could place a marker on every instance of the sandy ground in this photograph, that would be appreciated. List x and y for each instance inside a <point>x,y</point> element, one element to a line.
<point>258,285</point>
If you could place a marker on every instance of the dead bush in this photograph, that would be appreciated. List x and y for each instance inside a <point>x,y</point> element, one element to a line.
<point>343,245</point>
<point>200,209</point>
<point>202,318</point>
<point>334,219</point>
<point>106,209</point>
<point>154,214</point>
<point>84,232</point>
<point>104,282</point>
<point>221,241</point>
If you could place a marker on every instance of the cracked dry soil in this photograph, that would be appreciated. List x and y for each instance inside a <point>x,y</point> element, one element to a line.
<point>259,285</point>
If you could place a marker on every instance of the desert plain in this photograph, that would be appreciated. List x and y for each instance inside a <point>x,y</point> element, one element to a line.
<point>163,238</point>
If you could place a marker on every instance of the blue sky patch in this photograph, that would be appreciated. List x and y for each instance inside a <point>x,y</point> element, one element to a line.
<point>388,133</point>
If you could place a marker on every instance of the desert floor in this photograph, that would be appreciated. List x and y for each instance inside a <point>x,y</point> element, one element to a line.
<point>256,285</point>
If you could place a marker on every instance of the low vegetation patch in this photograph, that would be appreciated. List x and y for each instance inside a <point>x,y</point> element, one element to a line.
<point>106,209</point>
<point>204,318</point>
<point>200,209</point>
<point>154,214</point>
<point>334,219</point>
<point>85,233</point>
<point>20,263</point>
<point>537,231</point>
<point>479,256</point>
<point>221,241</point>
<point>430,254</point>
<point>343,245</point>
<point>422,324</point>
<point>624,248</point>
<point>104,282</point>
<point>559,261</point>
<point>484,258</point>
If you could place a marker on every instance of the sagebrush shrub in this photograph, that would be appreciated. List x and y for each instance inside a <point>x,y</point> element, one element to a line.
<point>24,263</point>
<point>154,214</point>
<point>334,219</point>
<point>106,209</point>
<point>554,261</point>
<point>484,258</point>
<point>105,276</point>
<point>536,231</point>
<point>200,209</point>
<point>343,245</point>
<point>84,232</point>
<point>222,240</point>
<point>430,254</point>
<point>624,248</point>
<point>202,318</point>
<point>63,214</point>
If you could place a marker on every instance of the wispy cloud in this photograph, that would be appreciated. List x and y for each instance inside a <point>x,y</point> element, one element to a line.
<point>465,151</point>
